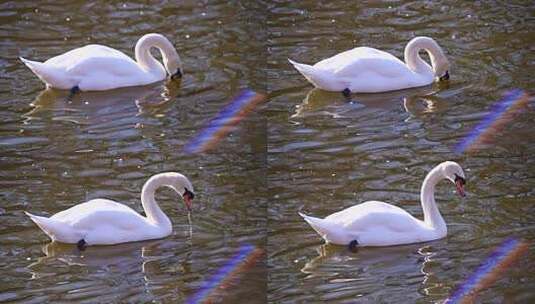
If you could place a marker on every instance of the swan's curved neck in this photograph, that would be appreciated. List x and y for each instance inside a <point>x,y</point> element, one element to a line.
<point>432,216</point>
<point>152,210</point>
<point>145,59</point>
<point>412,56</point>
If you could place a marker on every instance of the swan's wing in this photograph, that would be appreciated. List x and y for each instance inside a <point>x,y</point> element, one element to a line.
<point>363,60</point>
<point>375,215</point>
<point>74,57</point>
<point>101,212</point>
<point>105,66</point>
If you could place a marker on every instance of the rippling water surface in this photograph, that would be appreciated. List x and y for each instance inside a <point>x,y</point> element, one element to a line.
<point>325,153</point>
<point>55,152</point>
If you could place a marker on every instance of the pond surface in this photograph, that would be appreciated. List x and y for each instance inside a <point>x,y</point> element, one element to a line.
<point>306,150</point>
<point>326,154</point>
<point>56,153</point>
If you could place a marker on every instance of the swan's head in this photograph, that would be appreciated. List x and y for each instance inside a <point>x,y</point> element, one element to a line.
<point>182,186</point>
<point>173,65</point>
<point>440,64</point>
<point>455,174</point>
<point>171,60</point>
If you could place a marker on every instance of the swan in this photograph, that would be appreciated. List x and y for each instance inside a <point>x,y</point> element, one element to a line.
<point>376,223</point>
<point>368,70</point>
<point>97,67</point>
<point>105,222</point>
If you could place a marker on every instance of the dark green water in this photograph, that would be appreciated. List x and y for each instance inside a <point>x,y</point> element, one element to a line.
<point>304,150</point>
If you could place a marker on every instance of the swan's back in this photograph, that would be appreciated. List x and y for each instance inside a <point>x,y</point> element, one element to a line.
<point>361,59</point>
<point>78,55</point>
<point>100,212</point>
<point>374,215</point>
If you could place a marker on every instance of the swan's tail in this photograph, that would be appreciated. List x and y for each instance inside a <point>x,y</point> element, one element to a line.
<point>327,230</point>
<point>319,78</point>
<point>49,75</point>
<point>56,230</point>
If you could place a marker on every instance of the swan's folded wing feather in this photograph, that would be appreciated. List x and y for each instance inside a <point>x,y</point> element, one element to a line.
<point>363,60</point>
<point>100,212</point>
<point>112,66</point>
<point>372,215</point>
<point>386,68</point>
<point>75,56</point>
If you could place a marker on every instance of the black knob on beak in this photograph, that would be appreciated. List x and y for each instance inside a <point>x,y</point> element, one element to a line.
<point>446,76</point>
<point>176,75</point>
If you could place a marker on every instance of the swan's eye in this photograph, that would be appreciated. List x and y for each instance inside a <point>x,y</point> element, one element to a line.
<point>460,180</point>
<point>446,76</point>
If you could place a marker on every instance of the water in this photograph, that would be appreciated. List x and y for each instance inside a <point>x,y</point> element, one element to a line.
<point>326,154</point>
<point>55,153</point>
<point>305,150</point>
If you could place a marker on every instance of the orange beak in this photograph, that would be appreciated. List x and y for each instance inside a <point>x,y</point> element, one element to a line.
<point>460,188</point>
<point>188,197</point>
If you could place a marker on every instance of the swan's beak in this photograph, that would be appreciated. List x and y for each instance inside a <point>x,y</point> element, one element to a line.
<point>459,184</point>
<point>188,197</point>
<point>446,76</point>
<point>177,75</point>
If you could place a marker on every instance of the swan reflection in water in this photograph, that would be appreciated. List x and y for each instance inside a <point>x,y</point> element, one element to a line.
<point>95,107</point>
<point>416,101</point>
<point>361,265</point>
<point>128,259</point>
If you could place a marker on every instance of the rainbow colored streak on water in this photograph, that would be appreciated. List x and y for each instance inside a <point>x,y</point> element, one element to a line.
<point>501,113</point>
<point>486,274</point>
<point>246,257</point>
<point>222,123</point>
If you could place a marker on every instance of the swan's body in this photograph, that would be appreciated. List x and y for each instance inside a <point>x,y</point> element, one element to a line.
<point>96,67</point>
<point>368,70</point>
<point>105,222</point>
<point>380,224</point>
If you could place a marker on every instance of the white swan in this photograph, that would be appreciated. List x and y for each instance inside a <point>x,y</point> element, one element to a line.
<point>368,70</point>
<point>105,222</point>
<point>96,67</point>
<point>376,223</point>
